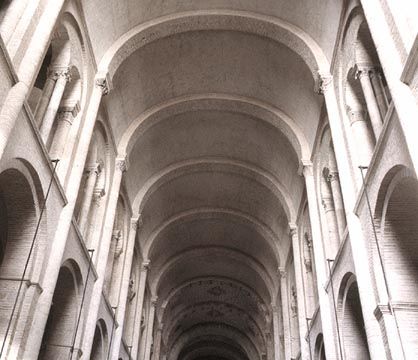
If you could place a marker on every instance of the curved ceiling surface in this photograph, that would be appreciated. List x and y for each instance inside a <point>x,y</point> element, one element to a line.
<point>215,123</point>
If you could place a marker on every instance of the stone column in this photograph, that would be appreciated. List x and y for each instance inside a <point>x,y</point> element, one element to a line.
<point>363,73</point>
<point>28,69</point>
<point>140,305</point>
<point>379,92</point>
<point>123,296</point>
<point>157,342</point>
<point>11,18</point>
<point>276,332</point>
<point>65,118</point>
<point>286,315</point>
<point>350,193</point>
<point>46,96</point>
<point>393,61</point>
<point>90,235</point>
<point>92,172</point>
<point>63,77</point>
<point>120,168</point>
<point>54,258</point>
<point>326,318</point>
<point>150,329</point>
<point>364,140</point>
<point>297,258</point>
<point>332,226</point>
<point>334,182</point>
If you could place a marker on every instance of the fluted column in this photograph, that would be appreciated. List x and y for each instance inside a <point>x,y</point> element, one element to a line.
<point>140,306</point>
<point>363,74</point>
<point>46,96</point>
<point>102,257</point>
<point>157,342</point>
<point>123,296</point>
<point>297,258</point>
<point>321,272</point>
<point>92,172</point>
<point>286,315</point>
<point>364,139</point>
<point>54,259</point>
<point>150,329</point>
<point>65,118</point>
<point>276,332</point>
<point>63,77</point>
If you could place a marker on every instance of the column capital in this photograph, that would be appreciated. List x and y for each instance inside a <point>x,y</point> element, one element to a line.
<point>307,167</point>
<point>72,108</point>
<point>293,229</point>
<point>365,70</point>
<point>355,115</point>
<point>103,82</point>
<point>145,265</point>
<point>328,204</point>
<point>122,164</point>
<point>282,271</point>
<point>154,301</point>
<point>97,196</point>
<point>60,72</point>
<point>323,82</point>
<point>136,222</point>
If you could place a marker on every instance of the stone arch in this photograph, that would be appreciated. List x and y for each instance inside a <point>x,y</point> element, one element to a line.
<point>397,226</point>
<point>277,29</point>
<point>20,194</point>
<point>60,328</point>
<point>320,348</point>
<point>352,323</point>
<point>100,341</point>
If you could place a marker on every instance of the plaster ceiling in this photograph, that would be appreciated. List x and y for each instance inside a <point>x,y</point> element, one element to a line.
<point>214,104</point>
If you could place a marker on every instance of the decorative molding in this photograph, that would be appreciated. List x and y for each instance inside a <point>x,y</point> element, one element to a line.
<point>122,164</point>
<point>323,82</point>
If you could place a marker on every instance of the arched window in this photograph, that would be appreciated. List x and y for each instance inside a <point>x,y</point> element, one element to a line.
<point>352,323</point>
<point>60,327</point>
<point>100,342</point>
<point>320,348</point>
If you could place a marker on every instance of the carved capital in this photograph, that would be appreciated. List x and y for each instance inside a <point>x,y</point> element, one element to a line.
<point>154,301</point>
<point>307,168</point>
<point>323,82</point>
<point>136,222</point>
<point>60,72</point>
<point>355,115</point>
<point>97,196</point>
<point>145,265</point>
<point>122,164</point>
<point>102,84</point>
<point>293,229</point>
<point>282,272</point>
<point>328,204</point>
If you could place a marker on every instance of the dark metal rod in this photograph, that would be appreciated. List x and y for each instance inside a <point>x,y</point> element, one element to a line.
<point>9,324</point>
<point>113,328</point>
<point>379,252</point>
<point>335,308</point>
<point>91,251</point>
